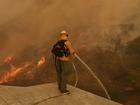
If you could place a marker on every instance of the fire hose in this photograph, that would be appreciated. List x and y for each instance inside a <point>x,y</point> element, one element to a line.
<point>76,82</point>
<point>92,73</point>
<point>76,75</point>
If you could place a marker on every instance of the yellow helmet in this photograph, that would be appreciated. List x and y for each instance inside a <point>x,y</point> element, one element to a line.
<point>64,32</point>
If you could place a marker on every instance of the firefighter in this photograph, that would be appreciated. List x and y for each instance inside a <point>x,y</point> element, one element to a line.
<point>64,53</point>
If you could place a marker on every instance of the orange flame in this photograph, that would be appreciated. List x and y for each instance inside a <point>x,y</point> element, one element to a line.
<point>12,73</point>
<point>8,59</point>
<point>5,60</point>
<point>41,61</point>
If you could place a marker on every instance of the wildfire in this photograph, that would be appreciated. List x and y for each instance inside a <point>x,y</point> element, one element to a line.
<point>12,73</point>
<point>28,69</point>
<point>41,61</point>
<point>8,59</point>
<point>5,60</point>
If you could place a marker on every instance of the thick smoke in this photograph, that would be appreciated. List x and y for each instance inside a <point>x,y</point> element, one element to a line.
<point>28,28</point>
<point>33,22</point>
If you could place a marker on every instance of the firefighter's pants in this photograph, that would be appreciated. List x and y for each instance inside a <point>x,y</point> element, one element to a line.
<point>63,69</point>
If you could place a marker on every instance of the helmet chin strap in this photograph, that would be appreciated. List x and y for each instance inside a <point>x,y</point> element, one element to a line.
<point>93,74</point>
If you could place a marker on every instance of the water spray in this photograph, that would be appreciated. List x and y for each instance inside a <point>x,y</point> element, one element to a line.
<point>93,74</point>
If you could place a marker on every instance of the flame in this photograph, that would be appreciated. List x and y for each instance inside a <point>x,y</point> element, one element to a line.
<point>8,59</point>
<point>15,71</point>
<point>41,61</point>
<point>12,73</point>
<point>5,60</point>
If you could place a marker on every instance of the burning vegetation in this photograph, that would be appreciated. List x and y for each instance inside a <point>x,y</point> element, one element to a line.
<point>25,70</point>
<point>118,68</point>
<point>108,31</point>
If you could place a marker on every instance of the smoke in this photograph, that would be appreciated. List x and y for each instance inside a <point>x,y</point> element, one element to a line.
<point>33,22</point>
<point>10,9</point>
